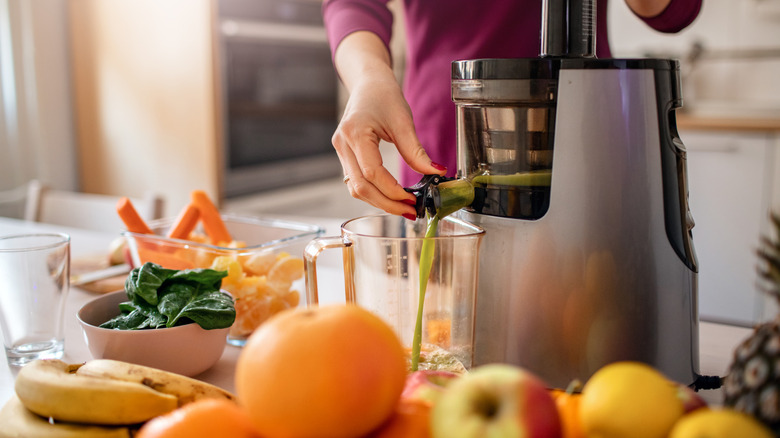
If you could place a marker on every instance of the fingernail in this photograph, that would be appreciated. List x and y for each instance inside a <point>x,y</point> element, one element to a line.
<point>411,202</point>
<point>409,216</point>
<point>438,166</point>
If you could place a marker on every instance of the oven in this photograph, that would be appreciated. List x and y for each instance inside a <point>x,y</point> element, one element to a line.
<point>280,95</point>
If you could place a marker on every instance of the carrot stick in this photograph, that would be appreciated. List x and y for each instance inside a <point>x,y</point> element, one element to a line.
<point>131,218</point>
<point>185,222</point>
<point>209,216</point>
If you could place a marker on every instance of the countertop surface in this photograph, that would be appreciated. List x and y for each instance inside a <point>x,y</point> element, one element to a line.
<point>726,122</point>
<point>716,341</point>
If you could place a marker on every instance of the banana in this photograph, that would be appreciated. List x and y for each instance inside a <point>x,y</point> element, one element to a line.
<point>185,389</point>
<point>51,388</point>
<point>18,421</point>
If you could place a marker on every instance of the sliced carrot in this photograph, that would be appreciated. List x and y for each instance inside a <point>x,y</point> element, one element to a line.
<point>131,218</point>
<point>209,216</point>
<point>185,222</point>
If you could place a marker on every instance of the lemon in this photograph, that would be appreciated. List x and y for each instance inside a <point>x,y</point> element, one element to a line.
<point>629,399</point>
<point>719,423</point>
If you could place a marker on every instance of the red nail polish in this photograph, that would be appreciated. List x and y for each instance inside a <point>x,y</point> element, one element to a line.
<point>411,202</point>
<point>410,216</point>
<point>438,166</point>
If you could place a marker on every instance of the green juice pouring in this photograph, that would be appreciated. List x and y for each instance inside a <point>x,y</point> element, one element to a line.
<point>443,199</point>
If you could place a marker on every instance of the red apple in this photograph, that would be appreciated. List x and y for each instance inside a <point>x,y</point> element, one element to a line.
<point>690,398</point>
<point>427,385</point>
<point>496,401</point>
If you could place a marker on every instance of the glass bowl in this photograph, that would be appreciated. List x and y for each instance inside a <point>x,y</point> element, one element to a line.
<point>264,263</point>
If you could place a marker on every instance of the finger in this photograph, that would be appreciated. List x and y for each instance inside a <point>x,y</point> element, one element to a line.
<point>363,144</point>
<point>412,151</point>
<point>371,167</point>
<point>363,189</point>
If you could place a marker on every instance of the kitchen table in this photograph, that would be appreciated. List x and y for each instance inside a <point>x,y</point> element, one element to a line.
<point>716,341</point>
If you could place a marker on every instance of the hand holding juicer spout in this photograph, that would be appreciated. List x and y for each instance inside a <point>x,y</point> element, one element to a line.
<point>441,196</point>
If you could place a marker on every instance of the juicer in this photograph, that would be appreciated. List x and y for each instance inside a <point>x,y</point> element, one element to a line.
<point>580,183</point>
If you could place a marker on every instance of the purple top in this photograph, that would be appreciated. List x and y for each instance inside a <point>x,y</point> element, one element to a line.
<point>439,32</point>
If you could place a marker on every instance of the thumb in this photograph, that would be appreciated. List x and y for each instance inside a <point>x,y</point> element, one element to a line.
<point>414,154</point>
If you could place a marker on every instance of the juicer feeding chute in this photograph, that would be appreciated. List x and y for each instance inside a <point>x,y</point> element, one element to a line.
<point>569,28</point>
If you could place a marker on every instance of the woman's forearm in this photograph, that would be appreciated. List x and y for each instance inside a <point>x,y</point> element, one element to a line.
<point>648,8</point>
<point>362,55</point>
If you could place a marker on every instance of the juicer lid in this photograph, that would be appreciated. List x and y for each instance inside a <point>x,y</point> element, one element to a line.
<point>548,67</point>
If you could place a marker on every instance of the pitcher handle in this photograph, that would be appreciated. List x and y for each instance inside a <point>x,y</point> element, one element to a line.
<point>310,254</point>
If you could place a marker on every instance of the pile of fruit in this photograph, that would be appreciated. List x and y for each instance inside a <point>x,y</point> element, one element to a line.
<point>340,371</point>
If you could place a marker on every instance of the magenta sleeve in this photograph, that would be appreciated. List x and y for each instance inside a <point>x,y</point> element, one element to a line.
<point>676,17</point>
<point>342,17</point>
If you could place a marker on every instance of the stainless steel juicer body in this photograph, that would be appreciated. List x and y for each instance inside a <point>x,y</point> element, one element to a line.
<point>598,265</point>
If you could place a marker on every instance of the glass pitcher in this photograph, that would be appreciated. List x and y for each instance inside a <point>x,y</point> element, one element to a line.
<point>381,258</point>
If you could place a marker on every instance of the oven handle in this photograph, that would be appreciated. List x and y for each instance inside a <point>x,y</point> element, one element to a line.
<point>273,32</point>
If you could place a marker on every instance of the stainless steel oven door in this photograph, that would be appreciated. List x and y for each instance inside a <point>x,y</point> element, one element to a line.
<point>280,104</point>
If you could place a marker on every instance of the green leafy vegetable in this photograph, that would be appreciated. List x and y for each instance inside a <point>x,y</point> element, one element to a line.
<point>162,297</point>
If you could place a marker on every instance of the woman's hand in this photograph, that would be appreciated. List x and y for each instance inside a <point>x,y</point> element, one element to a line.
<point>376,110</point>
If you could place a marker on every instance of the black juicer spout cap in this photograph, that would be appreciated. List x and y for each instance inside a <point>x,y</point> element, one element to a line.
<point>441,196</point>
<point>426,193</point>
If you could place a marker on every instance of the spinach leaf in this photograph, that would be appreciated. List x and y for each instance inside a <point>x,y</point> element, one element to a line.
<point>207,309</point>
<point>136,316</point>
<point>143,282</point>
<point>161,297</point>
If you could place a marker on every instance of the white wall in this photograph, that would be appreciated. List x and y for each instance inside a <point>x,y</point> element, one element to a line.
<point>729,30</point>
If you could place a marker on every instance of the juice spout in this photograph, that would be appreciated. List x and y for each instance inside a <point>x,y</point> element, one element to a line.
<point>441,196</point>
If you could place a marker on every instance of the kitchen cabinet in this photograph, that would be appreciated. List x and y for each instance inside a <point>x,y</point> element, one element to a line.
<point>733,180</point>
<point>147,101</point>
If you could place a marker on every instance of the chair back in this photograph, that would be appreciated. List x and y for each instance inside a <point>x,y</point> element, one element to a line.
<point>85,210</point>
<point>14,201</point>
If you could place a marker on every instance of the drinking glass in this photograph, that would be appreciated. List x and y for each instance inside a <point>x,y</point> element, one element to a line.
<point>34,283</point>
<point>382,264</point>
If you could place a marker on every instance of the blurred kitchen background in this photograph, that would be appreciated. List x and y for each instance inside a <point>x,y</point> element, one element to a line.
<point>238,98</point>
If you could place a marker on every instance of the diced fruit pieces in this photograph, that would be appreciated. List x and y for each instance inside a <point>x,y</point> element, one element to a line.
<point>284,272</point>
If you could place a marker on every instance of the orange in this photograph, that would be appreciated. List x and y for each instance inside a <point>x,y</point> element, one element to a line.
<point>331,371</point>
<point>207,418</point>
<point>411,419</point>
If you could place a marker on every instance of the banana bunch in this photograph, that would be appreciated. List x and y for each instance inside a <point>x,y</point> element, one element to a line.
<point>99,398</point>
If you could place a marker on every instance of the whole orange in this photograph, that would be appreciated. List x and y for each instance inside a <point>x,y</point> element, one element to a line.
<point>331,371</point>
<point>206,418</point>
<point>411,419</point>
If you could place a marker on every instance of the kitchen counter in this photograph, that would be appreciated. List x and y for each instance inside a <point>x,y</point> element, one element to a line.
<point>722,122</point>
<point>717,341</point>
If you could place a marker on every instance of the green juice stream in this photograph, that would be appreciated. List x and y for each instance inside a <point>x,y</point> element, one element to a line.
<point>426,262</point>
<point>454,195</point>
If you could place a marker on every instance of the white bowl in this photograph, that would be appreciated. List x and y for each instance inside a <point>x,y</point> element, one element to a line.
<point>186,349</point>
